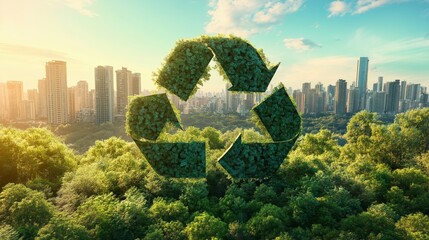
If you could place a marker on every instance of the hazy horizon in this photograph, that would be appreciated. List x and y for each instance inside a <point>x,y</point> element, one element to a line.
<point>314,41</point>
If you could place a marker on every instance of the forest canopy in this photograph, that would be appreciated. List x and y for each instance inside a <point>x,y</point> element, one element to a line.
<point>375,186</point>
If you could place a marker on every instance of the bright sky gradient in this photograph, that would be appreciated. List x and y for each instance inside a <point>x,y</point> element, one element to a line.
<point>314,40</point>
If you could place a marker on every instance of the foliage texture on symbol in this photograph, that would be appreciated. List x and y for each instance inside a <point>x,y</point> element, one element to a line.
<point>238,61</point>
<point>185,67</point>
<point>178,160</point>
<point>148,115</point>
<point>254,160</point>
<point>277,115</point>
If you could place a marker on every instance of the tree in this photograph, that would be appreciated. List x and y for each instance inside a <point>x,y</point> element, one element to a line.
<point>360,126</point>
<point>24,209</point>
<point>205,226</point>
<point>168,211</point>
<point>62,227</point>
<point>213,137</point>
<point>415,125</point>
<point>414,226</point>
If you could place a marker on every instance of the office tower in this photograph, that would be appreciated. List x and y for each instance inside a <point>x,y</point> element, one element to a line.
<point>403,90</point>
<point>104,94</point>
<point>392,90</point>
<point>135,85</point>
<point>299,100</point>
<point>91,96</point>
<point>362,80</point>
<point>81,95</point>
<point>340,96</point>
<point>43,99</point>
<point>380,84</point>
<point>306,87</point>
<point>353,99</point>
<point>374,87</point>
<point>4,102</point>
<point>28,110</point>
<point>413,92</point>
<point>123,78</point>
<point>71,96</point>
<point>330,95</point>
<point>33,96</point>
<point>56,86</point>
<point>379,102</point>
<point>15,97</point>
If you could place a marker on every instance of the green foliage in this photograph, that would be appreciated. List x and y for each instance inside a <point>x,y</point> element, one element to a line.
<point>31,154</point>
<point>414,226</point>
<point>279,116</point>
<point>205,226</point>
<point>148,115</point>
<point>24,209</point>
<point>185,67</point>
<point>62,227</point>
<point>176,159</point>
<point>362,190</point>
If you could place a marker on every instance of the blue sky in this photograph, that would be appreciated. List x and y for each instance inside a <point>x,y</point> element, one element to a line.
<point>314,40</point>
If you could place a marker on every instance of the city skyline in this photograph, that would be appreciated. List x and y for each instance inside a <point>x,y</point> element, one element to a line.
<point>314,41</point>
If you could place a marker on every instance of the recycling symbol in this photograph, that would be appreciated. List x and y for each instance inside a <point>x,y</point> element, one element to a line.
<point>185,68</point>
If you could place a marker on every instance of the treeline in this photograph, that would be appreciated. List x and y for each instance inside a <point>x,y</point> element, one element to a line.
<point>376,186</point>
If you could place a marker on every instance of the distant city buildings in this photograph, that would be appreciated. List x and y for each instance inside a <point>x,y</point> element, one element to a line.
<point>104,94</point>
<point>56,89</point>
<point>57,103</point>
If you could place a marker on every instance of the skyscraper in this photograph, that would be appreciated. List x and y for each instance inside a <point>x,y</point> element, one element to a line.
<point>392,90</point>
<point>33,96</point>
<point>403,89</point>
<point>15,97</point>
<point>81,95</point>
<point>71,96</point>
<point>104,104</point>
<point>380,84</point>
<point>56,86</point>
<point>43,99</point>
<point>123,79</point>
<point>135,86</point>
<point>353,99</point>
<point>340,96</point>
<point>362,80</point>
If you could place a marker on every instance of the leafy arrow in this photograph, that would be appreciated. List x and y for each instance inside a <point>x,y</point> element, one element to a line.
<point>279,116</point>
<point>148,115</point>
<point>254,160</point>
<point>179,160</point>
<point>241,62</point>
<point>184,68</point>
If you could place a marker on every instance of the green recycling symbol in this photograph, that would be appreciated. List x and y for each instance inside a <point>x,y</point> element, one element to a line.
<point>185,68</point>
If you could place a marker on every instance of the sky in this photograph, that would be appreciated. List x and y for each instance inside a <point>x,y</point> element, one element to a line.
<point>315,41</point>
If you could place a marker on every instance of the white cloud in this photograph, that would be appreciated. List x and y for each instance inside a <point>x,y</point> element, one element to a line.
<point>338,8</point>
<point>82,6</point>
<point>365,5</point>
<point>300,44</point>
<point>247,17</point>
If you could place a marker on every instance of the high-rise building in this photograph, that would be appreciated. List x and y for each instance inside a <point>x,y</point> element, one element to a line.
<point>135,85</point>
<point>104,94</point>
<point>299,100</point>
<point>340,96</point>
<point>403,90</point>
<point>4,102</point>
<point>353,99</point>
<point>123,78</point>
<point>71,96</point>
<point>15,97</point>
<point>33,95</point>
<point>380,84</point>
<point>43,99</point>
<point>379,102</point>
<point>81,95</point>
<point>56,86</point>
<point>362,80</point>
<point>91,96</point>
<point>306,87</point>
<point>392,90</point>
